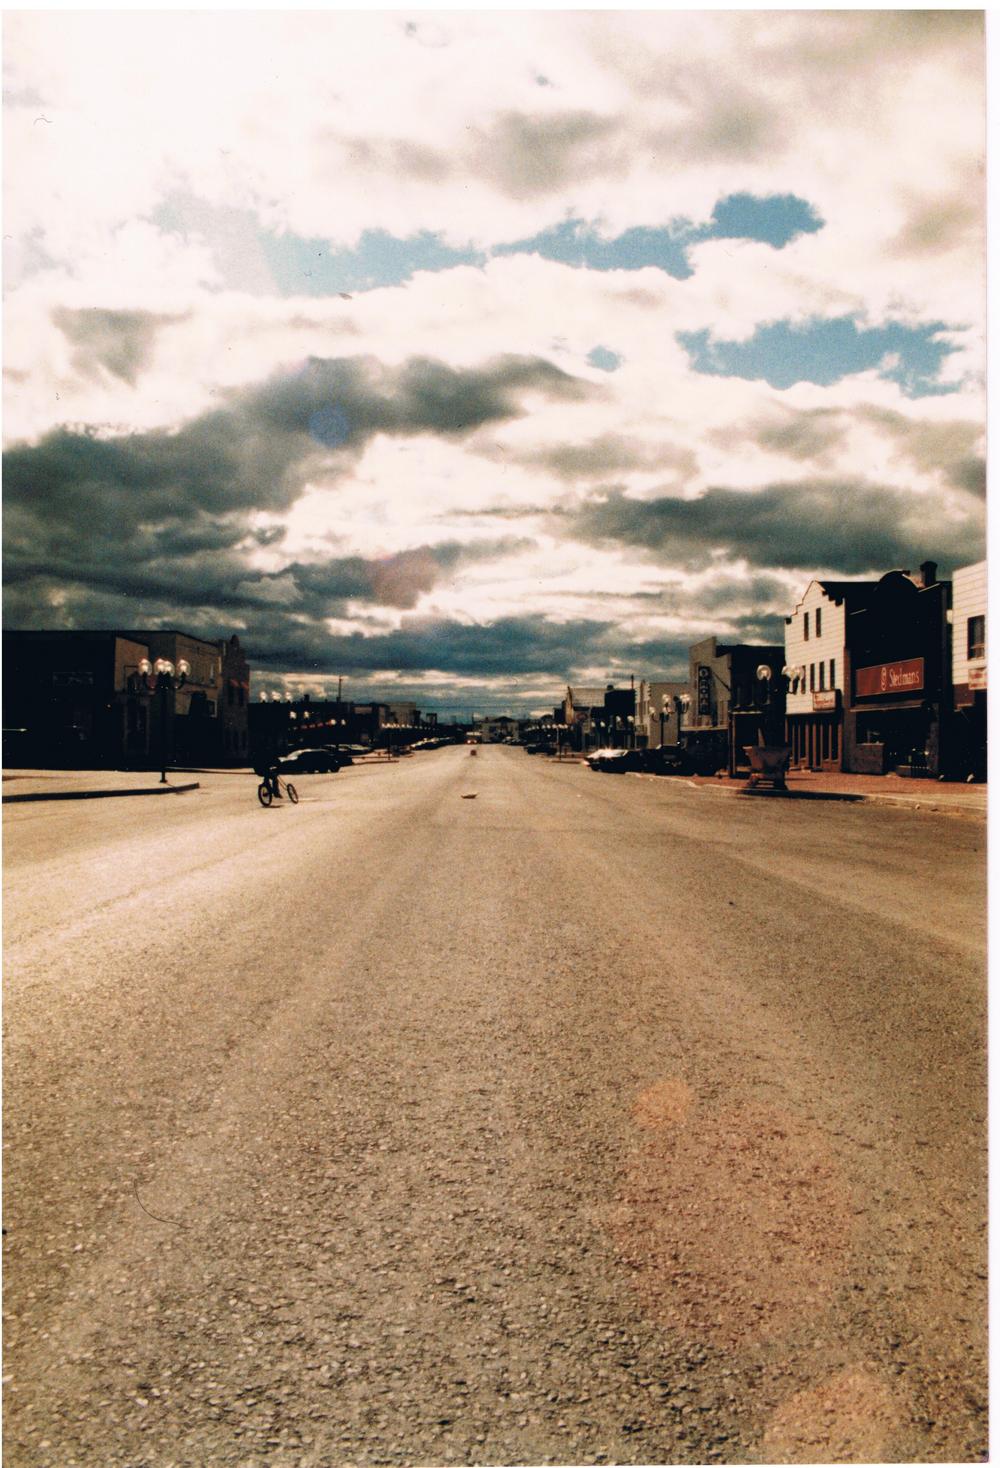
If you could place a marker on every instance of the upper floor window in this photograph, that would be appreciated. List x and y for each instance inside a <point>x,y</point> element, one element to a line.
<point>819,621</point>
<point>976,631</point>
<point>822,675</point>
<point>812,677</point>
<point>833,672</point>
<point>805,626</point>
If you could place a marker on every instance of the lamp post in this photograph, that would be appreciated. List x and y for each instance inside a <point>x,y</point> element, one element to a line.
<point>162,678</point>
<point>664,705</point>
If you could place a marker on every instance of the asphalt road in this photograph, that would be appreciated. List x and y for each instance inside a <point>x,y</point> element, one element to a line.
<point>493,1111</point>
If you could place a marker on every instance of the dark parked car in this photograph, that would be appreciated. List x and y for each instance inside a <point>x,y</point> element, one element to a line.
<point>339,753</point>
<point>669,760</point>
<point>309,762</point>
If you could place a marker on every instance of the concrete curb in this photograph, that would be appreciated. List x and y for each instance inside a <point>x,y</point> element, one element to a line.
<point>99,794</point>
<point>907,802</point>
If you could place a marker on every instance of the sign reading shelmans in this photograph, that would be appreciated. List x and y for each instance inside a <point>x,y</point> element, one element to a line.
<point>906,677</point>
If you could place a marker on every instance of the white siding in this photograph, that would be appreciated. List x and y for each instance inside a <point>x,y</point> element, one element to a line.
<point>968,599</point>
<point>800,652</point>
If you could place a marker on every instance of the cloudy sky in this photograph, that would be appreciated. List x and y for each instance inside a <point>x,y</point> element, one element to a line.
<point>464,354</point>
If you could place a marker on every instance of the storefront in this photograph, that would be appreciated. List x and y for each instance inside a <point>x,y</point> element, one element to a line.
<point>900,677</point>
<point>815,737</point>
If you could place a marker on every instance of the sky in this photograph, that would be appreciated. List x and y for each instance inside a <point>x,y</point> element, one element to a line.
<point>463,354</point>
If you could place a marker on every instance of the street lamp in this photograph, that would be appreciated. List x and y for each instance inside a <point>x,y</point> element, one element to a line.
<point>162,678</point>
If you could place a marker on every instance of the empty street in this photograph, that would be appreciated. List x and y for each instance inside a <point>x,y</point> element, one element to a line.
<point>491,1110</point>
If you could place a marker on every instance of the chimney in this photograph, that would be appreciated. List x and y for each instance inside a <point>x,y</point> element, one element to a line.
<point>928,573</point>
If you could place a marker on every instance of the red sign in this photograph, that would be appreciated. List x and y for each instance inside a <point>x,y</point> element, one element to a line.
<point>886,678</point>
<point>825,701</point>
<point>977,677</point>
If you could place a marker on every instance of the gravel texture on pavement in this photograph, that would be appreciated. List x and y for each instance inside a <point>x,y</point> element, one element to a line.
<point>594,1120</point>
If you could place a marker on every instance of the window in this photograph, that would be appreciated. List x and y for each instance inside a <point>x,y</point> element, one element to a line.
<point>819,621</point>
<point>833,672</point>
<point>805,626</point>
<point>812,677</point>
<point>976,631</point>
<point>822,675</point>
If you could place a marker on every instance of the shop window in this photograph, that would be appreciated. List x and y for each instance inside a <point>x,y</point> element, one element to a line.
<point>976,634</point>
<point>805,626</point>
<point>819,623</point>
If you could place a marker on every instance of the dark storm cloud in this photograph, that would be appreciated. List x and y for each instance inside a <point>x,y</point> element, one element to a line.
<point>849,527</point>
<point>258,448</point>
<point>159,526</point>
<point>510,648</point>
<point>120,342</point>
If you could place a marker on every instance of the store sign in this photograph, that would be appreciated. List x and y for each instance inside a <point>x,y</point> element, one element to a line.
<point>704,689</point>
<point>823,702</point>
<point>977,677</point>
<point>883,678</point>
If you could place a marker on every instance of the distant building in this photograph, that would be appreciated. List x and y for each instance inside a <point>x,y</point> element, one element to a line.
<point>661,709</point>
<point>601,716</point>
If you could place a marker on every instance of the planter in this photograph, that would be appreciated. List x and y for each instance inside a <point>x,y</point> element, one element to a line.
<point>768,765</point>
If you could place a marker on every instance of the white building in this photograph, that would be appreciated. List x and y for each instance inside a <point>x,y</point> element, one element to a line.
<point>968,664</point>
<point>968,632</point>
<point>816,667</point>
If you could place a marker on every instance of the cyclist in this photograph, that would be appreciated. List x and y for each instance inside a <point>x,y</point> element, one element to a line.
<point>267,765</point>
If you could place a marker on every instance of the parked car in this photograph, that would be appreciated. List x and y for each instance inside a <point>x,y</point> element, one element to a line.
<point>669,760</point>
<point>339,753</point>
<point>604,759</point>
<point>309,762</point>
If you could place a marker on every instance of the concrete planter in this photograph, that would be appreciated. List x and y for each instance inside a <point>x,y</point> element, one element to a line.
<point>768,765</point>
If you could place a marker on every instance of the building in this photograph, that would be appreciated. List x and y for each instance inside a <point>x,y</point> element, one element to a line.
<point>730,707</point>
<point>968,669</point>
<point>898,647</point>
<point>234,703</point>
<point>816,671</point>
<point>497,729</point>
<point>661,708</point>
<point>79,699</point>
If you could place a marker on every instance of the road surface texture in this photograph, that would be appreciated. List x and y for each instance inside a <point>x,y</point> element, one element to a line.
<point>493,1111</point>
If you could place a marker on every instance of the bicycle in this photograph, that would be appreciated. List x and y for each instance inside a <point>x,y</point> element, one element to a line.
<point>265,794</point>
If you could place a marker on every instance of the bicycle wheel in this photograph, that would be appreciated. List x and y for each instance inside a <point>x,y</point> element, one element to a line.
<point>293,794</point>
<point>264,793</point>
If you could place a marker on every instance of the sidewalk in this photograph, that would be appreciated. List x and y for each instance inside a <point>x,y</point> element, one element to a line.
<point>939,795</point>
<point>25,785</point>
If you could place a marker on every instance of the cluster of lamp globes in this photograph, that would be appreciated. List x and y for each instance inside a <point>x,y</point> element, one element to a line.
<point>164,671</point>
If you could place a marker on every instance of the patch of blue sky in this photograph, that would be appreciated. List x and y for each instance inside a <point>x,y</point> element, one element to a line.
<point>826,351</point>
<point>605,359</point>
<point>575,242</point>
<point>307,267</point>
<point>254,259</point>
<point>775,220</point>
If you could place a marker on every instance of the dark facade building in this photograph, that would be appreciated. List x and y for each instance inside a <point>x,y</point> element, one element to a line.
<point>729,707</point>
<point>79,700</point>
<point>898,714</point>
